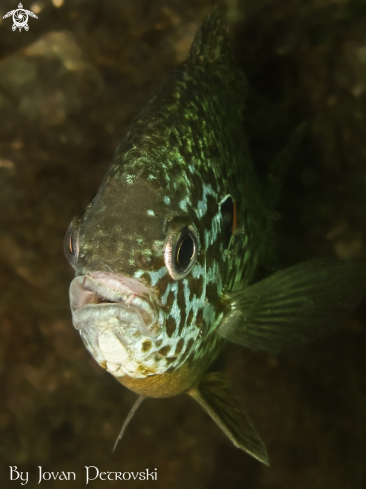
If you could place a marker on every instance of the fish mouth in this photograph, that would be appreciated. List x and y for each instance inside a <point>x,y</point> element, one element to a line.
<point>102,290</point>
<point>114,314</point>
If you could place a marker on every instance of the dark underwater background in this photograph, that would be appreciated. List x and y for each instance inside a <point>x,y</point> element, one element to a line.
<point>68,89</point>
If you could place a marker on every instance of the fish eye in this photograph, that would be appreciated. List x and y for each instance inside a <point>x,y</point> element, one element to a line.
<point>71,241</point>
<point>185,252</point>
<point>181,251</point>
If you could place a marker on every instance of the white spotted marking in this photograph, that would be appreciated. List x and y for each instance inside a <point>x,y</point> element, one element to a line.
<point>183,205</point>
<point>202,204</point>
<point>155,275</point>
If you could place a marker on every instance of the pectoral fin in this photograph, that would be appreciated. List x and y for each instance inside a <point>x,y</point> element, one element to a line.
<point>215,395</point>
<point>295,306</point>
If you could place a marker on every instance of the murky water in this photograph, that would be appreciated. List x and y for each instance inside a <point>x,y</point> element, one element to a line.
<point>68,88</point>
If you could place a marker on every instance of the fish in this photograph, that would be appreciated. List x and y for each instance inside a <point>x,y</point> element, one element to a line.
<point>167,254</point>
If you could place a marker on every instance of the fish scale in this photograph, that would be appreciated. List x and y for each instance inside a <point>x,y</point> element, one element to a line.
<point>166,253</point>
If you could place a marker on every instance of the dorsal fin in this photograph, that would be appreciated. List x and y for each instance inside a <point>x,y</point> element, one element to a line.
<point>211,53</point>
<point>211,43</point>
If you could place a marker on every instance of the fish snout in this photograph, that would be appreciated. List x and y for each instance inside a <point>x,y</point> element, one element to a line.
<point>115,315</point>
<point>101,294</point>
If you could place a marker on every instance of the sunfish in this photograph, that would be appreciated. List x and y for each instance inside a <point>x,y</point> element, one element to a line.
<point>166,254</point>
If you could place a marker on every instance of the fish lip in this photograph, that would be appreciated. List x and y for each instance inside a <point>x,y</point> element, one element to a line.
<point>107,291</point>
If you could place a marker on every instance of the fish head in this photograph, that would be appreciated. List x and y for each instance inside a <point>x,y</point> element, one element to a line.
<point>158,247</point>
<point>149,259</point>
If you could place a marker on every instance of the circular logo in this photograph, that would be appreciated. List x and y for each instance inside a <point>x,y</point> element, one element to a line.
<point>20,19</point>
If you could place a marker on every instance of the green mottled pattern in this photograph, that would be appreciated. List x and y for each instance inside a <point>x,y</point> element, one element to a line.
<point>182,156</point>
